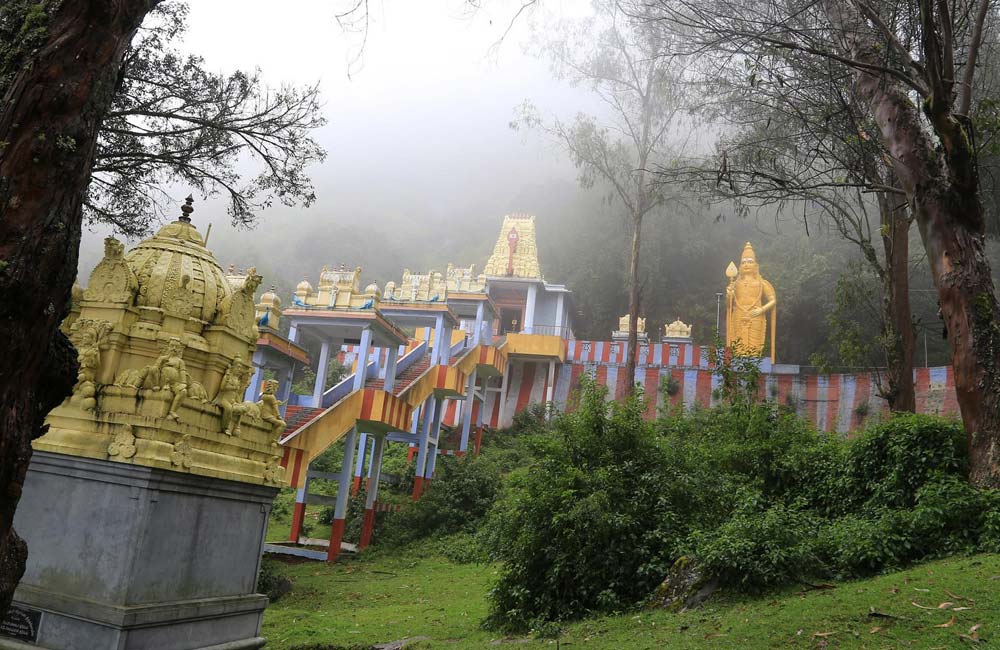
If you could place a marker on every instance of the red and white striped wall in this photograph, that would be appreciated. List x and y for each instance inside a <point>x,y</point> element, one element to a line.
<point>837,402</point>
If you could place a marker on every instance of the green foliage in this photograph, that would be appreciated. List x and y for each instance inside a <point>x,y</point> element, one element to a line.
<point>888,464</point>
<point>457,500</point>
<point>23,29</point>
<point>591,526</point>
<point>855,321</point>
<point>750,491</point>
<point>758,547</point>
<point>669,385</point>
<point>739,376</point>
<point>335,373</point>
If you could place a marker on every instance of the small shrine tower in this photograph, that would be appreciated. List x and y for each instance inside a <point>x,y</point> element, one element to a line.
<point>145,504</point>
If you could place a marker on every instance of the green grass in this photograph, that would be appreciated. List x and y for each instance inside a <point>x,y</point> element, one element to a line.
<point>385,597</point>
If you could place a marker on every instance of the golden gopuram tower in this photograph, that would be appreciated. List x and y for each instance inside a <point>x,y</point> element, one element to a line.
<point>749,298</point>
<point>515,255</point>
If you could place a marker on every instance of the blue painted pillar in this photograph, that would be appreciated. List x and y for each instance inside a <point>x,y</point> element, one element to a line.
<point>432,447</point>
<point>467,405</point>
<point>477,332</point>
<point>425,429</point>
<point>359,465</point>
<point>375,357</point>
<point>285,387</point>
<point>343,493</point>
<point>390,368</point>
<point>446,346</point>
<point>561,317</point>
<point>439,344</point>
<point>529,309</point>
<point>364,350</point>
<point>320,385</point>
<point>253,390</point>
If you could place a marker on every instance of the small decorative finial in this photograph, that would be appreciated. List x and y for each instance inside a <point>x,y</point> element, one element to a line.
<point>187,209</point>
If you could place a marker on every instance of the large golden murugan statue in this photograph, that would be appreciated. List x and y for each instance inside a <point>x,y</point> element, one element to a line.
<point>748,298</point>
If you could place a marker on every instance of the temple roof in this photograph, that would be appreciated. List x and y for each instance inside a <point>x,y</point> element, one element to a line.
<point>515,254</point>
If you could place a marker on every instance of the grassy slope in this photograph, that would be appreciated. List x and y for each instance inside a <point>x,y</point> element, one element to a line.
<point>386,597</point>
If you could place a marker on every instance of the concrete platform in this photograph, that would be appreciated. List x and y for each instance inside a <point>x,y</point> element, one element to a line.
<point>125,557</point>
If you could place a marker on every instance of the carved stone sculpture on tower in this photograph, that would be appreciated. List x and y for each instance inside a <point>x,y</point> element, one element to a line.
<point>749,297</point>
<point>269,408</point>
<point>237,310</point>
<point>171,374</point>
<point>112,280</point>
<point>87,335</point>
<point>234,384</point>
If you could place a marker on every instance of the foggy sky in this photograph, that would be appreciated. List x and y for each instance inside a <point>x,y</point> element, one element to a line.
<point>418,135</point>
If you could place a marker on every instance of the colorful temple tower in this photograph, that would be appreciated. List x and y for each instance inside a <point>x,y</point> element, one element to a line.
<point>535,318</point>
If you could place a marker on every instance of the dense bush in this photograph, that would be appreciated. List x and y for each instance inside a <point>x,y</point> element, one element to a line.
<point>593,525</point>
<point>750,491</point>
<point>455,502</point>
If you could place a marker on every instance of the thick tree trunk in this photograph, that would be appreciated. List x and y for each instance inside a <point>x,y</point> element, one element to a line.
<point>968,302</point>
<point>633,307</point>
<point>900,340</point>
<point>942,184</point>
<point>49,119</point>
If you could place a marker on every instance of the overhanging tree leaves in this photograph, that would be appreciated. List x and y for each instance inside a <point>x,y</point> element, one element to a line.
<point>174,121</point>
<point>914,67</point>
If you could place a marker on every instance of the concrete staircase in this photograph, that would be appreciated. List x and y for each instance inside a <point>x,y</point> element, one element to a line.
<point>297,417</point>
<point>407,377</point>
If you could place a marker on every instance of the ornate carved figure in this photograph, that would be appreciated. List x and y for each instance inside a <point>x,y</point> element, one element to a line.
<point>123,443</point>
<point>183,453</point>
<point>269,406</point>
<point>237,310</point>
<point>274,473</point>
<point>170,373</point>
<point>233,385</point>
<point>112,279</point>
<point>748,298</point>
<point>87,336</point>
<point>182,301</point>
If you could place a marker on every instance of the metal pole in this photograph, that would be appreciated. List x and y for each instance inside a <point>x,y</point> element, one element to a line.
<point>926,365</point>
<point>718,311</point>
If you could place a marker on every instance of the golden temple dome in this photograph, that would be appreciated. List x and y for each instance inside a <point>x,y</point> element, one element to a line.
<point>271,298</point>
<point>177,273</point>
<point>304,286</point>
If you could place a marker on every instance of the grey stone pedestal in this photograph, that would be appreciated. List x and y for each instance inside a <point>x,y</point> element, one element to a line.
<point>124,557</point>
